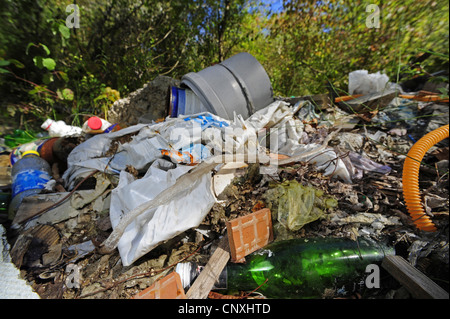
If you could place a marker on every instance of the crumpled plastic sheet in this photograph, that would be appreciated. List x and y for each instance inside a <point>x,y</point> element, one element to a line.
<point>357,164</point>
<point>306,111</point>
<point>172,197</point>
<point>142,150</point>
<point>187,209</point>
<point>363,82</point>
<point>276,121</point>
<point>399,110</point>
<point>295,205</point>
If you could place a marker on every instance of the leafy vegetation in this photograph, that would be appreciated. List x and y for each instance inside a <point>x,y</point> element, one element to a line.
<point>50,69</point>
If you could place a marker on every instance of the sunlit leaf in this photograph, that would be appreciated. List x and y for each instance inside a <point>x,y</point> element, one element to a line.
<point>65,31</point>
<point>49,63</point>
<point>68,94</point>
<point>38,61</point>
<point>18,64</point>
<point>46,49</point>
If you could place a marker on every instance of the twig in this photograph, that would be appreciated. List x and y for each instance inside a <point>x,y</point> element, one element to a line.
<point>34,84</point>
<point>171,69</point>
<point>265,281</point>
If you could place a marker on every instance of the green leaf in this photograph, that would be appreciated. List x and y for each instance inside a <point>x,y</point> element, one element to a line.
<point>47,78</point>
<point>67,94</point>
<point>45,48</point>
<point>4,71</point>
<point>441,55</point>
<point>64,76</point>
<point>17,63</point>
<point>28,46</point>
<point>33,91</point>
<point>443,90</point>
<point>4,62</point>
<point>38,61</point>
<point>49,63</point>
<point>65,31</point>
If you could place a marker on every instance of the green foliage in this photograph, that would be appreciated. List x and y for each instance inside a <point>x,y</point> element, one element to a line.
<point>106,98</point>
<point>50,70</point>
<point>312,43</point>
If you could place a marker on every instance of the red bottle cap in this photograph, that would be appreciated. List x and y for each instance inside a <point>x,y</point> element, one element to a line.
<point>94,123</point>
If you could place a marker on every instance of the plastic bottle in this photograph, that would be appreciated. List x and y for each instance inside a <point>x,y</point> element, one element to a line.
<point>301,268</point>
<point>96,125</point>
<point>60,128</point>
<point>17,152</point>
<point>29,176</point>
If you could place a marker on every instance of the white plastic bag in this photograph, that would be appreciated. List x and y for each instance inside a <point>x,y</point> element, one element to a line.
<point>361,82</point>
<point>185,210</point>
<point>285,132</point>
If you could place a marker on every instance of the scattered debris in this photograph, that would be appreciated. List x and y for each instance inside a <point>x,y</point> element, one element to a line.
<point>202,189</point>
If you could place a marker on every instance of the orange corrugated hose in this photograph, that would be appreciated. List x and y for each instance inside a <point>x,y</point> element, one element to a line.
<point>410,179</point>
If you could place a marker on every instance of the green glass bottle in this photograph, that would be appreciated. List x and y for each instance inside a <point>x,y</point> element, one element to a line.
<point>304,268</point>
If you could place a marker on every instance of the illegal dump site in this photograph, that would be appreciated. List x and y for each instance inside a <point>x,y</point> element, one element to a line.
<point>209,186</point>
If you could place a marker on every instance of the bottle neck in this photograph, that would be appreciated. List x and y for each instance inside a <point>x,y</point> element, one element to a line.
<point>48,127</point>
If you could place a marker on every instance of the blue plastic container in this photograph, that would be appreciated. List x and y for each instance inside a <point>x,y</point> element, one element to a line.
<point>184,102</point>
<point>29,176</point>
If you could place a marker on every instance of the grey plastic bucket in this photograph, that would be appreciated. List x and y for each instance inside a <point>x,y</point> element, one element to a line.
<point>239,84</point>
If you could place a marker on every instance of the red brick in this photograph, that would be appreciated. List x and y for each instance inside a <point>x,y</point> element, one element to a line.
<point>249,233</point>
<point>169,287</point>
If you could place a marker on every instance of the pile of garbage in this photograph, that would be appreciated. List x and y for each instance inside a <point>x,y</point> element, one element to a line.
<point>108,209</point>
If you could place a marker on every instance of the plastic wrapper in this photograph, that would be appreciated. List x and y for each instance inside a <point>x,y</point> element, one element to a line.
<point>357,164</point>
<point>144,146</point>
<point>295,205</point>
<point>398,111</point>
<point>361,82</point>
<point>185,210</point>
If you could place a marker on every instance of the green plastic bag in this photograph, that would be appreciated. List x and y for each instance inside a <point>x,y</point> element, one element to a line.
<point>295,205</point>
